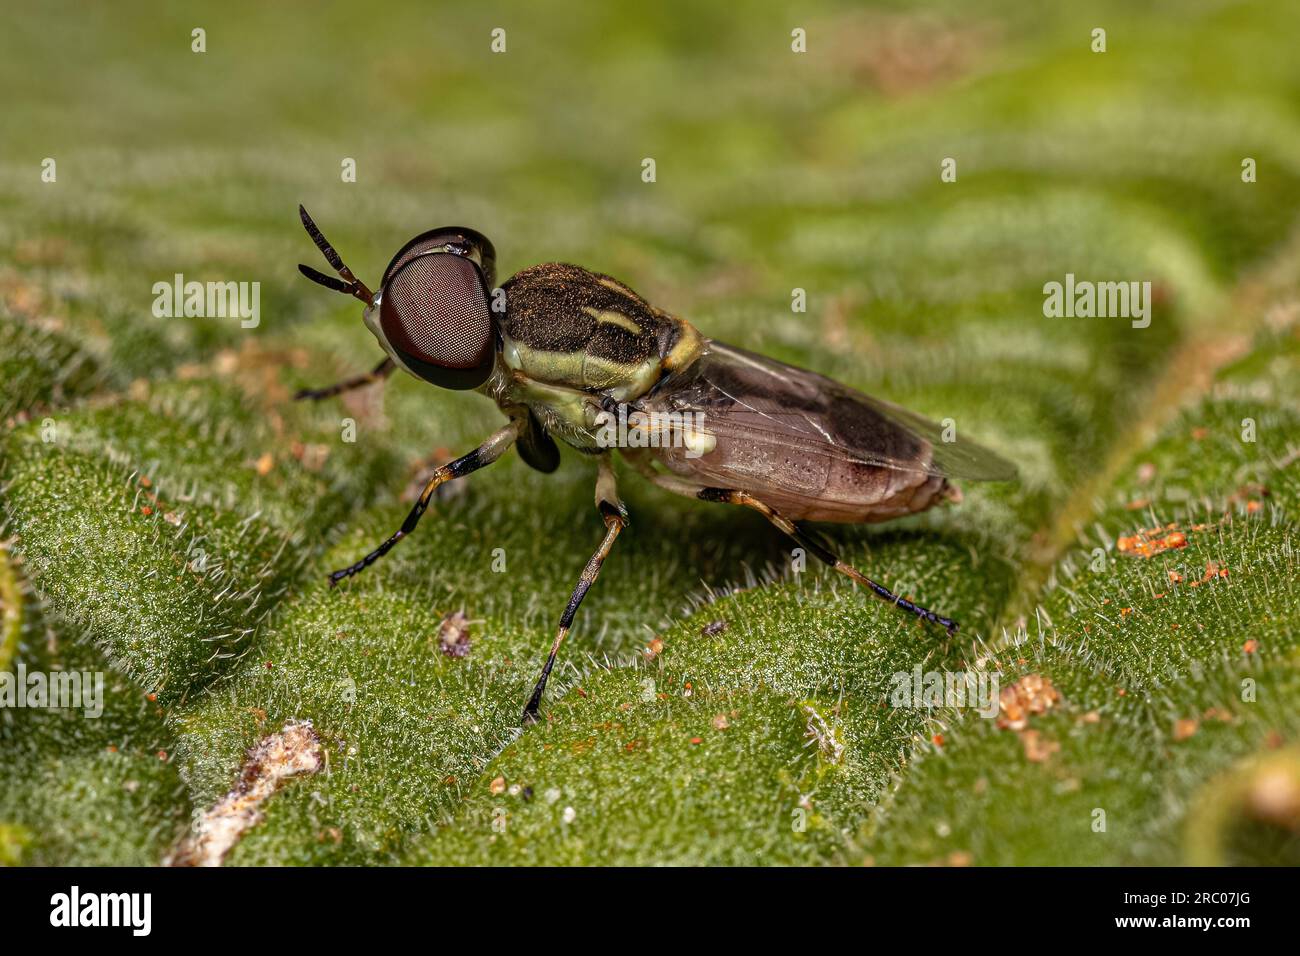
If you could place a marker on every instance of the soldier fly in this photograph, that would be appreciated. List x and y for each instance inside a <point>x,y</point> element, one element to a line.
<point>571,347</point>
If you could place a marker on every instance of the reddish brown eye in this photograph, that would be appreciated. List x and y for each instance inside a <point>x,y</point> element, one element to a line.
<point>435,312</point>
<point>461,239</point>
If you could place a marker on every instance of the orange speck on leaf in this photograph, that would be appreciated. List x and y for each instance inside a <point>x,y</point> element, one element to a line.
<point>1037,747</point>
<point>1214,570</point>
<point>1148,542</point>
<point>1032,694</point>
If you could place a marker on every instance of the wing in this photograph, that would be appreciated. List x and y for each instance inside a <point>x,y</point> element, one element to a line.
<point>748,398</point>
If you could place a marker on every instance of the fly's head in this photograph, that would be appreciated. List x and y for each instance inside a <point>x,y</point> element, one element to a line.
<point>432,310</point>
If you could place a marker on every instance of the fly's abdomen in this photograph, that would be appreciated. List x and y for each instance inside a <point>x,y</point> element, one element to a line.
<point>800,442</point>
<point>805,483</point>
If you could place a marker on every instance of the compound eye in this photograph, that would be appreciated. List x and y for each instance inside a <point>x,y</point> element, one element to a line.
<point>434,311</point>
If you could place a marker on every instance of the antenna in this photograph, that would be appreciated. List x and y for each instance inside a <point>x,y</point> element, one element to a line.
<point>353,286</point>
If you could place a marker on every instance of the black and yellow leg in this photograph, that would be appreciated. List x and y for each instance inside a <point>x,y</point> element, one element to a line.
<point>824,554</point>
<point>376,374</point>
<point>614,523</point>
<point>484,454</point>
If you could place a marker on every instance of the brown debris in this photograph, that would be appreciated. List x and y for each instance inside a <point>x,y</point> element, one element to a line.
<point>1037,747</point>
<point>310,456</point>
<point>1185,728</point>
<point>1032,694</point>
<point>713,628</point>
<point>295,750</point>
<point>1213,570</point>
<point>1248,496</point>
<point>903,53</point>
<point>453,634</point>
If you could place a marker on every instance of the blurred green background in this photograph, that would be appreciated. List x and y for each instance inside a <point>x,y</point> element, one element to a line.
<point>771,741</point>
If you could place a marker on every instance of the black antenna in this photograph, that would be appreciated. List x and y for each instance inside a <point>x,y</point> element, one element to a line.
<point>353,286</point>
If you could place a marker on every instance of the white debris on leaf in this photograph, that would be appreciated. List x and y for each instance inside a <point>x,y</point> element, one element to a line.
<point>820,732</point>
<point>292,752</point>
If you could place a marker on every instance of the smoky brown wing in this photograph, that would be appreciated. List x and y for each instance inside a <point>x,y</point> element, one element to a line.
<point>743,396</point>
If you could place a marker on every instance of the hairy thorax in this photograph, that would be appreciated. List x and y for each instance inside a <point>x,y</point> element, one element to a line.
<point>572,339</point>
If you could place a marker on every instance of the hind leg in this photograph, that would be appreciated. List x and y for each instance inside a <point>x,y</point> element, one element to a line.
<point>733,497</point>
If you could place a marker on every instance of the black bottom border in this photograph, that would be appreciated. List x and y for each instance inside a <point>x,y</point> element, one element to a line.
<point>240,906</point>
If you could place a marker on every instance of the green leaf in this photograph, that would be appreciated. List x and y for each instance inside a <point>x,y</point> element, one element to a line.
<point>169,513</point>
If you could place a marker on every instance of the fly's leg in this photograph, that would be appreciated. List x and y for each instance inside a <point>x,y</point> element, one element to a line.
<point>824,554</point>
<point>731,496</point>
<point>376,374</point>
<point>492,449</point>
<point>614,514</point>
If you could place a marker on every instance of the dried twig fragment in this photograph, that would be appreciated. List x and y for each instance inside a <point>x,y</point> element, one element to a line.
<point>293,751</point>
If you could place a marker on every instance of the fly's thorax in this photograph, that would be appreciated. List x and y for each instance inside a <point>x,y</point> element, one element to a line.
<point>569,327</point>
